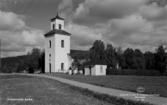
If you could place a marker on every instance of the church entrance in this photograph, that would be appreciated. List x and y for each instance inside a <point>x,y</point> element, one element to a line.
<point>62,66</point>
<point>50,67</point>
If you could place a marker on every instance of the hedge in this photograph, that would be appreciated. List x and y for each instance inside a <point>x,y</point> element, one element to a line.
<point>136,72</point>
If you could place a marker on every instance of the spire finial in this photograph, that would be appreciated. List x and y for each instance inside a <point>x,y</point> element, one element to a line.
<point>57,13</point>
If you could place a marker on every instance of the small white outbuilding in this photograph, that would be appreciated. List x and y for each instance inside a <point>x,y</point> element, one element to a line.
<point>95,67</point>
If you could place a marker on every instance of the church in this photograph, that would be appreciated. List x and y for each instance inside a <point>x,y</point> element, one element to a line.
<point>58,53</point>
<point>57,47</point>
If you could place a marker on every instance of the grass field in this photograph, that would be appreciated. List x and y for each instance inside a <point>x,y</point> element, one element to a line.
<point>152,85</point>
<point>24,90</point>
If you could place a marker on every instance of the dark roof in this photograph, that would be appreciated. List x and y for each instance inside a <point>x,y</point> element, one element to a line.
<point>57,17</point>
<point>95,62</point>
<point>72,52</point>
<point>56,31</point>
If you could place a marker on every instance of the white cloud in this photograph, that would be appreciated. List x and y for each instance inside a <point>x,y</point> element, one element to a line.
<point>153,12</point>
<point>16,37</point>
<point>124,23</point>
<point>10,21</point>
<point>65,9</point>
<point>82,35</point>
<point>93,11</point>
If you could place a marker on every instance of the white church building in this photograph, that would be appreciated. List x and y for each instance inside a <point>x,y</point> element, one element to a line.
<point>57,47</point>
<point>58,52</point>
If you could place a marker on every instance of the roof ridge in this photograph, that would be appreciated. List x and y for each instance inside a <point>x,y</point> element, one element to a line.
<point>57,17</point>
<point>56,31</point>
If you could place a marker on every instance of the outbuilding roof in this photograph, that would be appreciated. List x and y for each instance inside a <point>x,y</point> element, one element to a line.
<point>95,62</point>
<point>56,31</point>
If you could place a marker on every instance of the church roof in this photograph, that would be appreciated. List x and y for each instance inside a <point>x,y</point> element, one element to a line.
<point>56,31</point>
<point>72,51</point>
<point>57,17</point>
<point>95,62</point>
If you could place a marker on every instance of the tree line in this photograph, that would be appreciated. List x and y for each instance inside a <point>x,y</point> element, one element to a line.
<point>130,58</point>
<point>115,58</point>
<point>33,61</point>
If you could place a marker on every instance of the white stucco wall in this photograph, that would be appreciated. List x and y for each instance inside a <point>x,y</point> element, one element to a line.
<point>57,22</point>
<point>98,71</point>
<point>58,54</point>
<point>87,70</point>
<point>61,54</point>
<point>95,70</point>
<point>49,51</point>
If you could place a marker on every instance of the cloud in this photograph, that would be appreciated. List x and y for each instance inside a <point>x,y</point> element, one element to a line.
<point>153,12</point>
<point>126,23</point>
<point>81,35</point>
<point>92,11</point>
<point>10,21</point>
<point>133,23</point>
<point>65,9</point>
<point>16,36</point>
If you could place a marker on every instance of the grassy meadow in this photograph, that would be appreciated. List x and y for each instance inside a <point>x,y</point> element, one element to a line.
<point>24,90</point>
<point>152,85</point>
<point>27,90</point>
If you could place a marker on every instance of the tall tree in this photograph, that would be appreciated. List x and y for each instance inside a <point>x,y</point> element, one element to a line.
<point>149,60</point>
<point>110,56</point>
<point>161,59</point>
<point>42,62</point>
<point>33,59</point>
<point>97,50</point>
<point>120,57</point>
<point>21,66</point>
<point>139,59</point>
<point>129,55</point>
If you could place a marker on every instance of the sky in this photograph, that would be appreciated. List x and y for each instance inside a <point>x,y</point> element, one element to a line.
<point>137,24</point>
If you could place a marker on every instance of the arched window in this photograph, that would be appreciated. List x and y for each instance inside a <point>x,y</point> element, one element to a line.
<point>50,67</point>
<point>62,43</point>
<point>50,44</point>
<point>62,66</point>
<point>101,69</point>
<point>53,26</point>
<point>49,57</point>
<point>60,26</point>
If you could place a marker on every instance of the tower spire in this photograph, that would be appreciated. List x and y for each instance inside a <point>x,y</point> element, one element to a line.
<point>57,13</point>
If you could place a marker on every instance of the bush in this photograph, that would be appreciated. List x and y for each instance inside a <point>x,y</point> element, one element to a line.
<point>31,70</point>
<point>137,72</point>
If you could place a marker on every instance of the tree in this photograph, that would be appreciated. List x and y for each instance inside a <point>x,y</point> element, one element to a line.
<point>149,60</point>
<point>110,56</point>
<point>5,69</point>
<point>79,59</point>
<point>42,62</point>
<point>139,59</point>
<point>161,59</point>
<point>120,57</point>
<point>129,55</point>
<point>21,66</point>
<point>97,50</point>
<point>33,59</point>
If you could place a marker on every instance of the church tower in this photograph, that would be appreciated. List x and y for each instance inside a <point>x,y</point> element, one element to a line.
<point>57,47</point>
